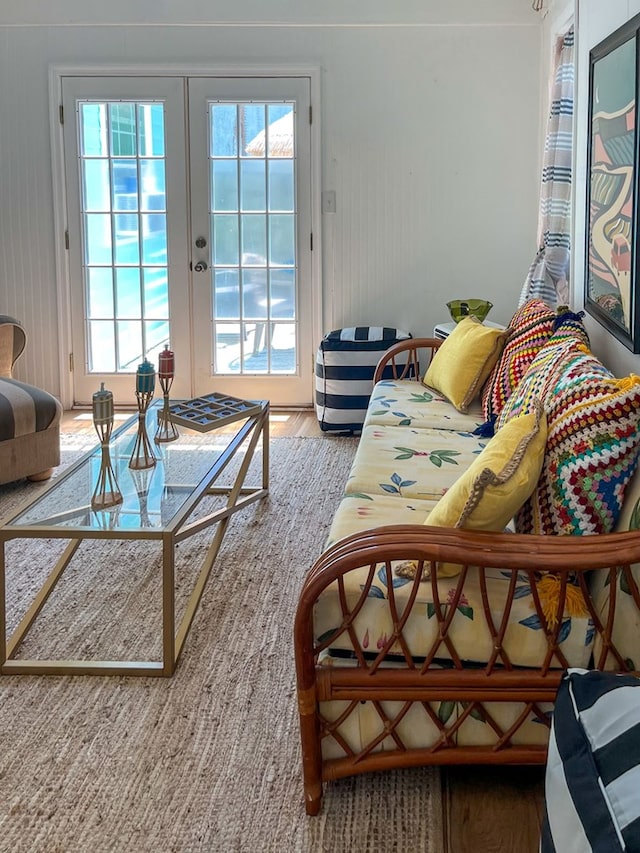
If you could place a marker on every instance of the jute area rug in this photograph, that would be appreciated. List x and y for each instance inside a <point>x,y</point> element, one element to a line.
<point>208,760</point>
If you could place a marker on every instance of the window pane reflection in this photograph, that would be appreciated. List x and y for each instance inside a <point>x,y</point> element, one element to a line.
<point>253,225</point>
<point>124,203</point>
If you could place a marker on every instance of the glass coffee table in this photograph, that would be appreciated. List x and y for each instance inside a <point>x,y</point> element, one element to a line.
<point>199,481</point>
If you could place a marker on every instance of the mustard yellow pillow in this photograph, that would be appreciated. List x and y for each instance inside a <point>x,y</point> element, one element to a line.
<point>464,360</point>
<point>494,487</point>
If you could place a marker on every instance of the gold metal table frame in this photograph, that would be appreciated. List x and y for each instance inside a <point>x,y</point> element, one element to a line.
<point>63,511</point>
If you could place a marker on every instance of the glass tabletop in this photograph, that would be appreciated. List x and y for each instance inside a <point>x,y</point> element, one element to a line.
<point>151,497</point>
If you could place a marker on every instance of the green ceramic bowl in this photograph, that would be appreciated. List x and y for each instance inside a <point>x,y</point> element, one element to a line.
<point>460,308</point>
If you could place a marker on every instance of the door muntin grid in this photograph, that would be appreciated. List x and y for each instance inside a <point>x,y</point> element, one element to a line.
<point>123,201</point>
<point>252,212</point>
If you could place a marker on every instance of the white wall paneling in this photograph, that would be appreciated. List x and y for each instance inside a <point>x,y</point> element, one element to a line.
<point>430,139</point>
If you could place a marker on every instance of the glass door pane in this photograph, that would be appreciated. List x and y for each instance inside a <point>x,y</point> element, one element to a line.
<point>122,173</point>
<point>124,244</point>
<point>251,168</point>
<point>253,211</point>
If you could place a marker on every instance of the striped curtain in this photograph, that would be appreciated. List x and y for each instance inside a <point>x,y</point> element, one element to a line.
<point>548,277</point>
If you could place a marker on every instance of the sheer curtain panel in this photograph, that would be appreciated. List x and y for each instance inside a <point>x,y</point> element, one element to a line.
<point>548,276</point>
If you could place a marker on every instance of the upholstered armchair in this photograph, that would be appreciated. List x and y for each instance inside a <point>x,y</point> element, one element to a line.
<point>29,416</point>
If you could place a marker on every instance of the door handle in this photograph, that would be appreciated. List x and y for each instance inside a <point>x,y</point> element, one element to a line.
<point>199,266</point>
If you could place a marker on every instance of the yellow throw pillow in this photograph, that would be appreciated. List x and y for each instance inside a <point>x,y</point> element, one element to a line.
<point>464,360</point>
<point>497,483</point>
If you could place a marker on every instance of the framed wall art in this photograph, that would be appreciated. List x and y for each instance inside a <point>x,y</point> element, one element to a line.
<point>612,192</point>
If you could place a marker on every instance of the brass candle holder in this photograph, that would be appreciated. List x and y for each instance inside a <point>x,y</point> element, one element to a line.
<point>106,493</point>
<point>167,430</point>
<point>142,455</point>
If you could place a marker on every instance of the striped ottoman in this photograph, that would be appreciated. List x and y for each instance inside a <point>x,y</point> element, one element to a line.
<point>345,362</point>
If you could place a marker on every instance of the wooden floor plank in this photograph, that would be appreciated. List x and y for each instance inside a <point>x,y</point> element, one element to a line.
<point>493,809</point>
<point>295,423</point>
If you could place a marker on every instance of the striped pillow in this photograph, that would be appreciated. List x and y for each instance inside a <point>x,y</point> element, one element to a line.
<point>593,768</point>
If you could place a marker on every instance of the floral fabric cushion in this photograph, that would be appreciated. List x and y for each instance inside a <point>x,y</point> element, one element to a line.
<point>361,724</point>
<point>524,642</point>
<point>630,516</point>
<point>405,402</point>
<point>411,463</point>
<point>463,361</point>
<point>361,511</point>
<point>531,327</point>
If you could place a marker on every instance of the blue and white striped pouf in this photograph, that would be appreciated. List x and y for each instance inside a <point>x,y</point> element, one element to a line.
<point>345,362</point>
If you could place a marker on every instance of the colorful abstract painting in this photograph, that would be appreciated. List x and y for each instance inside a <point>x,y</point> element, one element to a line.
<point>611,215</point>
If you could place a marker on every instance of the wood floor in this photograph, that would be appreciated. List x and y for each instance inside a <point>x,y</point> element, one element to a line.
<point>301,423</point>
<point>486,809</point>
<point>492,809</point>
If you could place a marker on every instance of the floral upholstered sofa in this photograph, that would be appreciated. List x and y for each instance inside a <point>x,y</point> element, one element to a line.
<point>486,541</point>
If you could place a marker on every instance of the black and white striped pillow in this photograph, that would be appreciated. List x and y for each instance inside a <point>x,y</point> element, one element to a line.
<point>592,783</point>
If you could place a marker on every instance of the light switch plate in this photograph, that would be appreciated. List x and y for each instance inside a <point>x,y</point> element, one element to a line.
<point>329,201</point>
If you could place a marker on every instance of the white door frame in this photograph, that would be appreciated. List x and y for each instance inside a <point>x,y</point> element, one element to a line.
<point>63,281</point>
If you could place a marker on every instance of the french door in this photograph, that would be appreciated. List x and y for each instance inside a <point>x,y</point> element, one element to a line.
<point>189,225</point>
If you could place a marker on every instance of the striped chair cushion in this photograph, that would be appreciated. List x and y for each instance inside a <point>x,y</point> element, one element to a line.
<point>25,409</point>
<point>593,769</point>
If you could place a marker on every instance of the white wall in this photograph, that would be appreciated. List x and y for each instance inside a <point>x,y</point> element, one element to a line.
<point>596,21</point>
<point>431,140</point>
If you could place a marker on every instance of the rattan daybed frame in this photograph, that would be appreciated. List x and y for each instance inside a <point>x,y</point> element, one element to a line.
<point>382,678</point>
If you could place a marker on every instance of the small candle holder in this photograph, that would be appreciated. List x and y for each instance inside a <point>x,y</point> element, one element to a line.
<point>142,456</point>
<point>106,493</point>
<point>166,430</point>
